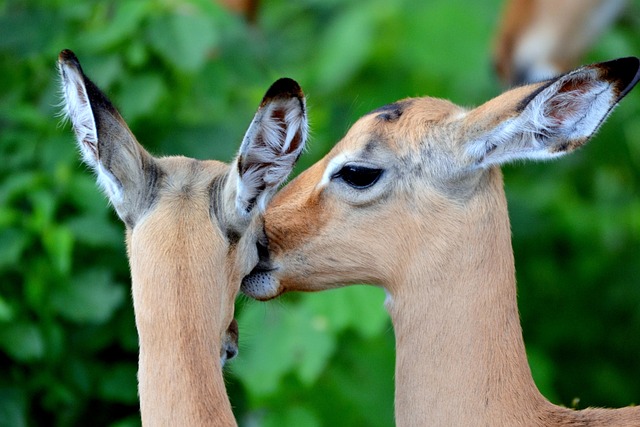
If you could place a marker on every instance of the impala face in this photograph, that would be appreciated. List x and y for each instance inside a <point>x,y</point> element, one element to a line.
<point>401,182</point>
<point>362,187</point>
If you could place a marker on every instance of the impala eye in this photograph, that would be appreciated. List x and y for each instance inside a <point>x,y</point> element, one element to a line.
<point>359,177</point>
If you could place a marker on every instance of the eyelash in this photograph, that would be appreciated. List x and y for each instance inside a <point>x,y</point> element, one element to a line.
<point>358,177</point>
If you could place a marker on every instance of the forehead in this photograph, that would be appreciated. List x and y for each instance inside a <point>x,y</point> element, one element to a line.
<point>181,173</point>
<point>402,125</point>
<point>189,191</point>
<point>188,185</point>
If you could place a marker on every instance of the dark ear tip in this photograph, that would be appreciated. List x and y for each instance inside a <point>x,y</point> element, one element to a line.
<point>68,58</point>
<point>624,73</point>
<point>283,88</point>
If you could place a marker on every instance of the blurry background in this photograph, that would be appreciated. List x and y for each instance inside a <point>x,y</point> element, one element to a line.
<point>188,77</point>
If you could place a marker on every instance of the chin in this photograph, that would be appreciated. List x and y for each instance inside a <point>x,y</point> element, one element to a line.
<point>261,285</point>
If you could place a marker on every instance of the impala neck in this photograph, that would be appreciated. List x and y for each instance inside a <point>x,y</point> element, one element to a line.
<point>177,270</point>
<point>460,354</point>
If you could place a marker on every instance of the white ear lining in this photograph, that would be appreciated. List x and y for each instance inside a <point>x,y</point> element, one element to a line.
<point>297,123</point>
<point>77,109</point>
<point>267,152</point>
<point>550,123</point>
<point>576,114</point>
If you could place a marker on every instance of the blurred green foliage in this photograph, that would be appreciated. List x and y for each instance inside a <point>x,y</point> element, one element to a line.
<point>187,76</point>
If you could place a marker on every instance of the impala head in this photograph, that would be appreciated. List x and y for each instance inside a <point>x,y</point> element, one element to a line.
<point>398,186</point>
<point>189,222</point>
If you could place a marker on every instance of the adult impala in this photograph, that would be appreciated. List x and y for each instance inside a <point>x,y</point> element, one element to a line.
<point>190,234</point>
<point>412,200</point>
<point>539,39</point>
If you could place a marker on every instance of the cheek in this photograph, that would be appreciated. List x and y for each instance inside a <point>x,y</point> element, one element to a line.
<point>291,227</point>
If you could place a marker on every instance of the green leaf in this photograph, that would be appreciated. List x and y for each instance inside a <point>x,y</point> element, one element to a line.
<point>91,297</point>
<point>44,207</point>
<point>6,311</point>
<point>366,307</point>
<point>347,42</point>
<point>543,372</point>
<point>22,341</point>
<point>313,343</point>
<point>304,346</point>
<point>37,23</point>
<point>95,231</point>
<point>140,95</point>
<point>120,384</point>
<point>126,22</point>
<point>58,240</point>
<point>360,308</point>
<point>184,39</point>
<point>293,416</point>
<point>262,363</point>
<point>13,407</point>
<point>132,421</point>
<point>12,245</point>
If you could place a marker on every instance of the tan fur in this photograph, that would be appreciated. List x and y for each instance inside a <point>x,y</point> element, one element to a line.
<point>549,35</point>
<point>180,259</point>
<point>434,232</point>
<point>191,236</point>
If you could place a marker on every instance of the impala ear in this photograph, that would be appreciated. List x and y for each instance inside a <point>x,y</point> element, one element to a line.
<point>121,165</point>
<point>274,141</point>
<point>548,119</point>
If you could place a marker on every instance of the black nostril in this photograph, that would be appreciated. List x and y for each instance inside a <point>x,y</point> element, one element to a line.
<point>230,346</point>
<point>231,352</point>
<point>263,250</point>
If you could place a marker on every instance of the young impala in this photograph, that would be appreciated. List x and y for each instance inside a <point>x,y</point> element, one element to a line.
<point>412,200</point>
<point>190,233</point>
<point>539,39</point>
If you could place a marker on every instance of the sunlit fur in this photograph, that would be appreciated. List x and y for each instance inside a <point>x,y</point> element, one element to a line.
<point>187,242</point>
<point>434,232</point>
<point>539,39</point>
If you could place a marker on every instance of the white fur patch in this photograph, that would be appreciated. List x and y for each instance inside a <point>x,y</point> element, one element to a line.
<point>334,166</point>
<point>77,109</point>
<point>388,300</point>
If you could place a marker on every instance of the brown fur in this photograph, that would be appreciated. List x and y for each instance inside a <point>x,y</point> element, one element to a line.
<point>566,29</point>
<point>247,8</point>
<point>434,232</point>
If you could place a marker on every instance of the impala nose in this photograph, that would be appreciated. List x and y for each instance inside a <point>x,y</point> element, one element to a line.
<point>260,283</point>
<point>230,344</point>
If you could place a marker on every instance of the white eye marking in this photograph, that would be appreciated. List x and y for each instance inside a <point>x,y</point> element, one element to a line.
<point>334,166</point>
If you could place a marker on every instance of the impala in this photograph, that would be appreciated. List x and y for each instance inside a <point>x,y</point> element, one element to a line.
<point>190,235</point>
<point>538,39</point>
<point>412,200</point>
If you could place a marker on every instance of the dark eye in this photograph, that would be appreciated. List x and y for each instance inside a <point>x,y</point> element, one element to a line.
<point>358,176</point>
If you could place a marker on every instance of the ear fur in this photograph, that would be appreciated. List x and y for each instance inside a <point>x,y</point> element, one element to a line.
<point>105,141</point>
<point>274,141</point>
<point>549,119</point>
